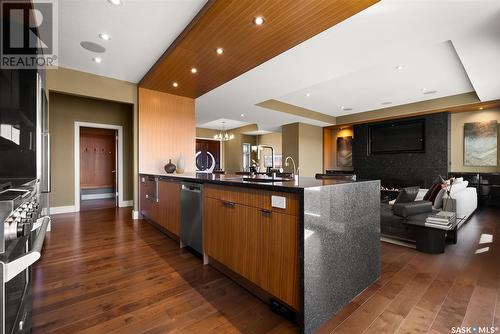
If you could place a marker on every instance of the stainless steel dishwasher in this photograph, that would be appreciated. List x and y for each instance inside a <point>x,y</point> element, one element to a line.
<point>191,216</point>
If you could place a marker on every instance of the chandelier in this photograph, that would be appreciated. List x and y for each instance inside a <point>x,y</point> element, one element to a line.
<point>223,135</point>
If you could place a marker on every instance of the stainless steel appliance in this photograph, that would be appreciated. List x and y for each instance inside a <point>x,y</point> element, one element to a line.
<point>191,216</point>
<point>21,241</point>
<point>24,190</point>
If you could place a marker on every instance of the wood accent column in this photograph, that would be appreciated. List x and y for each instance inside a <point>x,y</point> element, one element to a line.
<point>166,130</point>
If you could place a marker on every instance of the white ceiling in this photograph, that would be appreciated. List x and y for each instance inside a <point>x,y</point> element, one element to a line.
<point>436,68</point>
<point>451,46</point>
<point>353,63</point>
<point>141,30</point>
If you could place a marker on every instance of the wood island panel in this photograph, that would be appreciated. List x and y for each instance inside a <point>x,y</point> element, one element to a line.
<point>255,242</point>
<point>254,197</point>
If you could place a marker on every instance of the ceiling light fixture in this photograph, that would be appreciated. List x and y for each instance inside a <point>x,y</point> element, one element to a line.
<point>345,108</point>
<point>194,70</point>
<point>175,84</point>
<point>219,51</point>
<point>259,20</point>
<point>308,94</point>
<point>104,36</point>
<point>97,60</point>
<point>481,108</point>
<point>242,115</point>
<point>115,2</point>
<point>399,67</point>
<point>386,103</point>
<point>223,135</point>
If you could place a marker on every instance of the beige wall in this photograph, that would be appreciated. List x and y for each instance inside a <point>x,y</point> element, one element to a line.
<point>64,111</point>
<point>457,138</point>
<point>271,139</point>
<point>310,149</point>
<point>304,143</point>
<point>78,83</point>
<point>330,147</point>
<point>290,144</point>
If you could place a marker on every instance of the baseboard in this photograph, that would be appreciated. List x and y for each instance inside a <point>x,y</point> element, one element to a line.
<point>124,204</point>
<point>62,209</point>
<point>97,196</point>
<point>136,214</point>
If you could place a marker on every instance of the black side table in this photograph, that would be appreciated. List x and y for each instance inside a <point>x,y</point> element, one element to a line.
<point>432,240</point>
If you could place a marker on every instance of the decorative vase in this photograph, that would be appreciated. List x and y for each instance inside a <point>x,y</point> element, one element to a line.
<point>181,164</point>
<point>170,167</point>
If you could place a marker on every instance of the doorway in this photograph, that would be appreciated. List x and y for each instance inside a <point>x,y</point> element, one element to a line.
<point>98,166</point>
<point>98,177</point>
<point>208,155</point>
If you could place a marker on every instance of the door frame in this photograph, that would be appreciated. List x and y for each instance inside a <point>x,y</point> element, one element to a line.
<point>119,157</point>
<point>221,149</point>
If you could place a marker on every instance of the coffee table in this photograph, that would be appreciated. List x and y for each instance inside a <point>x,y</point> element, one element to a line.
<point>432,240</point>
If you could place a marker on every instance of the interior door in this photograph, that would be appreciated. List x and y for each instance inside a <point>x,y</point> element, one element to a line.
<point>203,159</point>
<point>98,159</point>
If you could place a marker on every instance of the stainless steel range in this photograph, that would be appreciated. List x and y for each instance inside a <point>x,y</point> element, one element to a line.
<point>21,241</point>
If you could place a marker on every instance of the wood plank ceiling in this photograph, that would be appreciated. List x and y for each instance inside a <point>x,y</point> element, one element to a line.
<point>229,24</point>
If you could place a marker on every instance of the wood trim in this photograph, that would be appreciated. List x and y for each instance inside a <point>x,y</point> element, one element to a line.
<point>228,24</point>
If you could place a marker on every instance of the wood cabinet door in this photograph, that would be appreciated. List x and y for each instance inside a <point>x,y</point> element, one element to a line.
<point>169,206</point>
<point>220,231</point>
<point>281,256</point>
<point>149,207</point>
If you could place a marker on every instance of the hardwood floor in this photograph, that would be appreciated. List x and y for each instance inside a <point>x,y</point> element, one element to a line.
<point>102,272</point>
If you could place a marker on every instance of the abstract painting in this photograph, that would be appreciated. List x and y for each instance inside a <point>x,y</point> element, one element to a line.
<point>344,151</point>
<point>480,143</point>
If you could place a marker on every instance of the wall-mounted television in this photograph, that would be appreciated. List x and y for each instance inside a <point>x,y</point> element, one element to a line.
<point>397,137</point>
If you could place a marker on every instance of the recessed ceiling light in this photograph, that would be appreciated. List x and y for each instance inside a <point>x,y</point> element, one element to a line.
<point>219,51</point>
<point>308,94</point>
<point>175,84</point>
<point>427,91</point>
<point>115,2</point>
<point>399,67</point>
<point>481,108</point>
<point>194,70</point>
<point>97,60</point>
<point>104,36</point>
<point>345,108</point>
<point>259,20</point>
<point>386,103</point>
<point>242,115</point>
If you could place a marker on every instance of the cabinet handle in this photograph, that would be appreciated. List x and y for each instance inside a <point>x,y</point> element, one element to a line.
<point>228,204</point>
<point>266,212</point>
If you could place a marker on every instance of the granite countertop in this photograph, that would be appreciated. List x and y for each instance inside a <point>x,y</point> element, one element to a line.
<point>276,184</point>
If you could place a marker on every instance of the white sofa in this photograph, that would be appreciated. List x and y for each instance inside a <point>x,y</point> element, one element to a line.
<point>462,199</point>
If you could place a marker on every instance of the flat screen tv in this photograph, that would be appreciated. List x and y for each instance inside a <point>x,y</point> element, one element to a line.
<point>397,137</point>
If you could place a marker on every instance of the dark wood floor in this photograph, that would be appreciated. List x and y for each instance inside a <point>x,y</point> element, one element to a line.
<point>102,272</point>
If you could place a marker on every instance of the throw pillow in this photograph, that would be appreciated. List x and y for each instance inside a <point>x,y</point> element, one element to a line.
<point>431,189</point>
<point>407,195</point>
<point>435,192</point>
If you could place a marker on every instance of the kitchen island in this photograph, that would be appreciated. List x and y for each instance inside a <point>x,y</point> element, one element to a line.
<point>306,246</point>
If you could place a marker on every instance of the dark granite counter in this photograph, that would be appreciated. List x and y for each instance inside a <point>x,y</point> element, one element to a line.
<point>258,182</point>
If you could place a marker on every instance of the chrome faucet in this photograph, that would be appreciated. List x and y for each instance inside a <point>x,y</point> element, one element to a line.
<point>295,170</point>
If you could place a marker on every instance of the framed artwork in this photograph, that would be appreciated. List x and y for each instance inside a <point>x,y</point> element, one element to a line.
<point>344,151</point>
<point>480,144</point>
